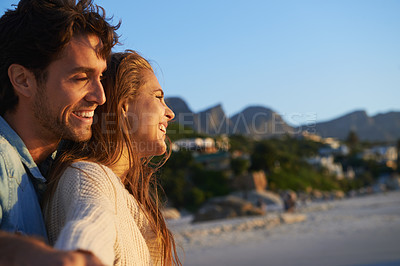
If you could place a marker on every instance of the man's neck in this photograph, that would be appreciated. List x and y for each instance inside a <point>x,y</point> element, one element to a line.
<point>40,146</point>
<point>41,152</point>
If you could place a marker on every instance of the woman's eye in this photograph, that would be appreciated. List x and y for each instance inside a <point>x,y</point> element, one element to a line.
<point>81,78</point>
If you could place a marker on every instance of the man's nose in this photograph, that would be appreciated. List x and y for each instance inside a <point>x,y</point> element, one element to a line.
<point>96,94</point>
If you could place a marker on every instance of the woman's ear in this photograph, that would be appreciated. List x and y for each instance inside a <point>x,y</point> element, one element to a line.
<point>124,107</point>
<point>22,79</point>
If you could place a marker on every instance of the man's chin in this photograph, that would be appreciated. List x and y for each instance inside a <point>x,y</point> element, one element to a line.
<point>79,136</point>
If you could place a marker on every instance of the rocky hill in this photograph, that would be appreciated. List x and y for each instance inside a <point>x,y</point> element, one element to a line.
<point>213,121</point>
<point>255,121</point>
<point>381,127</point>
<point>261,122</point>
<point>183,114</point>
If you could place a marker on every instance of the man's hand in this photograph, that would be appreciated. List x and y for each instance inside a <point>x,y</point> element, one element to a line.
<point>22,250</point>
<point>81,258</point>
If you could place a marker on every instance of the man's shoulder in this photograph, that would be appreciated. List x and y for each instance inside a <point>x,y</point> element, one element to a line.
<point>6,148</point>
<point>9,156</point>
<point>3,140</point>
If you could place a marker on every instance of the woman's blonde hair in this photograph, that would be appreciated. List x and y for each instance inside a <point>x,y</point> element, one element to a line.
<point>111,139</point>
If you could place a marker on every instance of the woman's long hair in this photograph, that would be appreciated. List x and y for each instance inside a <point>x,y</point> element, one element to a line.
<point>111,139</point>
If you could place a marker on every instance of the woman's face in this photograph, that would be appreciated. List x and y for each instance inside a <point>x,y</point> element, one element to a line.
<point>149,116</point>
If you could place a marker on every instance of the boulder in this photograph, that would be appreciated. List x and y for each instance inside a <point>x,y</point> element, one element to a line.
<point>226,207</point>
<point>338,194</point>
<point>316,195</point>
<point>268,198</point>
<point>171,214</point>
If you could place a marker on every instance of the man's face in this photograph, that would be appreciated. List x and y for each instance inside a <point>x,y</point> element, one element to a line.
<point>64,105</point>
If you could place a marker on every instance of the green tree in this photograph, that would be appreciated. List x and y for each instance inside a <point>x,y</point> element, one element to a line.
<point>240,143</point>
<point>263,156</point>
<point>174,177</point>
<point>352,141</point>
<point>239,165</point>
<point>176,131</point>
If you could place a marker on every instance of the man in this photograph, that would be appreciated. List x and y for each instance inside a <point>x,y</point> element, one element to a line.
<point>52,55</point>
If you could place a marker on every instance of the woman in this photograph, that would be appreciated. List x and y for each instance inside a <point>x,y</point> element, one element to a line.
<point>102,195</point>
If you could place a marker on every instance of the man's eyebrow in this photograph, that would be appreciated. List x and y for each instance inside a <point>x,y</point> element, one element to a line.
<point>82,70</point>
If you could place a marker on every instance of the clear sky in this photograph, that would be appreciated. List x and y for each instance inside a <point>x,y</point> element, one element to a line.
<point>321,58</point>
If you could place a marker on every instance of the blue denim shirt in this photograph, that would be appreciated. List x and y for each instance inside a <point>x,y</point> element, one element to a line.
<point>21,184</point>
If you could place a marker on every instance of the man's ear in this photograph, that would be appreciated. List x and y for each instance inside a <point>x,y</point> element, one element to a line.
<point>22,79</point>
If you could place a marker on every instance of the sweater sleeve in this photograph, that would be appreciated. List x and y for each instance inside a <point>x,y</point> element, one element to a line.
<point>86,195</point>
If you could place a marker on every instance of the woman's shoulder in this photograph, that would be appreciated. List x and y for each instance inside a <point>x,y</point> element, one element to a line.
<point>86,171</point>
<point>90,166</point>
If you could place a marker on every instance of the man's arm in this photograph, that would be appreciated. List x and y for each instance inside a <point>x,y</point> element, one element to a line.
<point>22,250</point>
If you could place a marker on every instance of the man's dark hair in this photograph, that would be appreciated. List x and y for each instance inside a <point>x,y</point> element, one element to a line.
<point>36,32</point>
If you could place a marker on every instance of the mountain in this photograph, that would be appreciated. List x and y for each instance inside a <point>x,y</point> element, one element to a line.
<point>381,127</point>
<point>256,121</point>
<point>183,114</point>
<point>389,125</point>
<point>213,121</point>
<point>177,105</point>
<point>259,122</point>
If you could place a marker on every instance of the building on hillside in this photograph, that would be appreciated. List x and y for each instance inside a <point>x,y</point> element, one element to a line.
<point>332,145</point>
<point>222,143</point>
<point>328,163</point>
<point>339,150</point>
<point>206,145</point>
<point>310,136</point>
<point>218,161</point>
<point>331,142</point>
<point>382,154</point>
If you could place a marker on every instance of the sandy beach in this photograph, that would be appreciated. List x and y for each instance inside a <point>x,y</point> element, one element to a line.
<point>356,231</point>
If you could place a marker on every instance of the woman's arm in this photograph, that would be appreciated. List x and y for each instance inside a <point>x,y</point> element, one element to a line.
<point>85,195</point>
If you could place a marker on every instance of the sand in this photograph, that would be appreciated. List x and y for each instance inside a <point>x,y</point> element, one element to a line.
<point>356,231</point>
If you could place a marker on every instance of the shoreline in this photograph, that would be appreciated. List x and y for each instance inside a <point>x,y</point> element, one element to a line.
<point>353,231</point>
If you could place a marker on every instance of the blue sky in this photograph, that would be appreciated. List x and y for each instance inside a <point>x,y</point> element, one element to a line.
<point>302,58</point>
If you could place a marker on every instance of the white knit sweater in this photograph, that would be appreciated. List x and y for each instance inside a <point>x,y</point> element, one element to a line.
<point>91,210</point>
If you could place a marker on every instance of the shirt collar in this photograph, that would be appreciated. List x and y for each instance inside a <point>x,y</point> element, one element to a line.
<point>12,137</point>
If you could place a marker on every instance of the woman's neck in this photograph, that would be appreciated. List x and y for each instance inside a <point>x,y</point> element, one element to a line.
<point>121,167</point>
